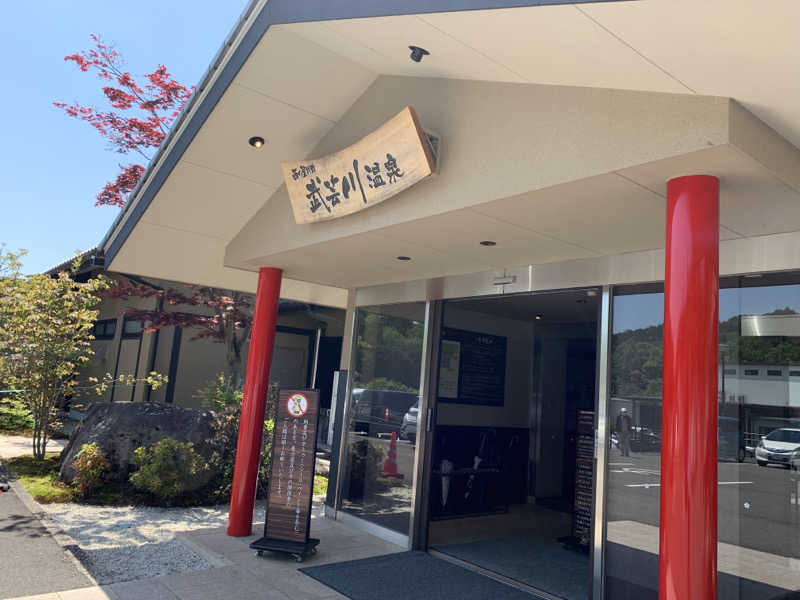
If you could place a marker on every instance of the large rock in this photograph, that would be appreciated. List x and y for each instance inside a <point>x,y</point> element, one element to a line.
<point>119,428</point>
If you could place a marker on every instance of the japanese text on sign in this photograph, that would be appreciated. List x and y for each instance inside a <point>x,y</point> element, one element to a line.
<point>293,465</point>
<point>379,166</point>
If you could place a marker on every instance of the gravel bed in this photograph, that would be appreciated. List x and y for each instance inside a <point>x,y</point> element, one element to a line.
<point>125,543</point>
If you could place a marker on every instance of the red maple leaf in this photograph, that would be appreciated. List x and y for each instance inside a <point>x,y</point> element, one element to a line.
<point>139,116</point>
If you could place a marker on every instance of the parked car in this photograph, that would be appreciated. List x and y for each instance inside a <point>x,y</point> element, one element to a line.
<point>780,447</point>
<point>408,429</point>
<point>381,411</point>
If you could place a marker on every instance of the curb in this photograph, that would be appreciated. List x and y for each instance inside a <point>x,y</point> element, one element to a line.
<point>69,545</point>
<point>215,560</point>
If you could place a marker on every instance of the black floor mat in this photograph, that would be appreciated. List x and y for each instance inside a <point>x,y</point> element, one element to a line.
<point>411,576</point>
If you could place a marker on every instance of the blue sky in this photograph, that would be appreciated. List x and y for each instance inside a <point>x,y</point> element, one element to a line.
<point>51,166</point>
<point>644,310</point>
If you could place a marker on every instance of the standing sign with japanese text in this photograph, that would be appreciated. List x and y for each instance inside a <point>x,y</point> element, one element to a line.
<point>292,475</point>
<point>384,163</point>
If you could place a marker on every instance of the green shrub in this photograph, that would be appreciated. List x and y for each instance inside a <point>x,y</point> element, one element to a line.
<point>91,466</point>
<point>265,462</point>
<point>220,393</point>
<point>168,468</point>
<point>15,416</point>
<point>223,449</point>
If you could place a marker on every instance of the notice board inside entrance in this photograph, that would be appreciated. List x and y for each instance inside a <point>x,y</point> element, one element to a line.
<point>472,367</point>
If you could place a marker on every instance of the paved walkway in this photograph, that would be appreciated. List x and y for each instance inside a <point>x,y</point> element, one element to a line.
<point>17,445</point>
<point>31,560</point>
<point>238,573</point>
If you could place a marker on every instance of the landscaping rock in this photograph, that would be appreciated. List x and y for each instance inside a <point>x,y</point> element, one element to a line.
<point>119,428</point>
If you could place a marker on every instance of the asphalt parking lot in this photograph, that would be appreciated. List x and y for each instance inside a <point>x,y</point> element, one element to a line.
<point>758,506</point>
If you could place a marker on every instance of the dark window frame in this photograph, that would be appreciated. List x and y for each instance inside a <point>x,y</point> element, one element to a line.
<point>132,334</point>
<point>101,327</point>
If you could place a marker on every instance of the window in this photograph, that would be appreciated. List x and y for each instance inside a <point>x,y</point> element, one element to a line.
<point>386,367</point>
<point>105,329</point>
<point>755,519</point>
<point>132,328</point>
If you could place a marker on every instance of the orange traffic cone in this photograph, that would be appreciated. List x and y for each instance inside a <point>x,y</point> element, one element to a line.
<point>390,464</point>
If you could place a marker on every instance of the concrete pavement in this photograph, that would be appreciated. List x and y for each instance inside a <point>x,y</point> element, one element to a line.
<point>31,560</point>
<point>241,574</point>
<point>17,445</point>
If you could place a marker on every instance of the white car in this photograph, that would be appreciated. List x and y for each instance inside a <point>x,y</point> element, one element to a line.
<point>408,429</point>
<point>780,447</point>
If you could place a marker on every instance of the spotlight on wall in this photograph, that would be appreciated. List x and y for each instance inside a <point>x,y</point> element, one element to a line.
<point>488,243</point>
<point>417,53</point>
<point>256,141</point>
<point>403,258</point>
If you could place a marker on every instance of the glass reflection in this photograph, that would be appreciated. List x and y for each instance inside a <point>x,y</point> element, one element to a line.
<point>758,441</point>
<point>387,359</point>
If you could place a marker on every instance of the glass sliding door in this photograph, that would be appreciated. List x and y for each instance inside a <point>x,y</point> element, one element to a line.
<point>633,445</point>
<point>758,440</point>
<point>380,446</point>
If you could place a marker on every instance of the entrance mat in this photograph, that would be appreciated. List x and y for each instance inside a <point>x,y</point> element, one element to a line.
<point>544,564</point>
<point>411,576</point>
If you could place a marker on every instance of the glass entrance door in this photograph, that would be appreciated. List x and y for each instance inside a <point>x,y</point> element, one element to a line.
<point>380,443</point>
<point>511,466</point>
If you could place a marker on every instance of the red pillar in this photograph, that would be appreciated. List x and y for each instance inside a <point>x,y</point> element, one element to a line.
<point>688,535</point>
<point>256,384</point>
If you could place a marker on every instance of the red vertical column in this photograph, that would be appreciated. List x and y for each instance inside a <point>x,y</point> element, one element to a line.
<point>688,534</point>
<point>256,384</point>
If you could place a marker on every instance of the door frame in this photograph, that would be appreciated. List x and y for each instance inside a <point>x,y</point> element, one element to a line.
<point>420,517</point>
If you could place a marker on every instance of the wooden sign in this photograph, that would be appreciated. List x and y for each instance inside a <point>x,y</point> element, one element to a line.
<point>291,481</point>
<point>384,163</point>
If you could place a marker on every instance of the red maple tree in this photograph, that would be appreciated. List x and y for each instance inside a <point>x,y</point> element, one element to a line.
<point>227,317</point>
<point>139,117</point>
<point>141,112</point>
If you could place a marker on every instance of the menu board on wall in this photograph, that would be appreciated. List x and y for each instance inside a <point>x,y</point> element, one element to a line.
<point>584,473</point>
<point>292,476</point>
<point>472,368</point>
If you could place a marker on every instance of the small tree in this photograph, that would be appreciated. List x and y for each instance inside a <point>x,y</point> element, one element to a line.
<point>45,333</point>
<point>44,339</point>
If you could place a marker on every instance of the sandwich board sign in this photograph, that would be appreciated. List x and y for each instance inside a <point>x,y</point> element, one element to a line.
<point>291,483</point>
<point>380,165</point>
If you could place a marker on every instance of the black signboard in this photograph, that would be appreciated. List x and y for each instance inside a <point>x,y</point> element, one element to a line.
<point>584,475</point>
<point>472,367</point>
<point>291,483</point>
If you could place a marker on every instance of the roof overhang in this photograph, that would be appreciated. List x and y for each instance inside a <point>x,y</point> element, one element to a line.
<point>312,77</point>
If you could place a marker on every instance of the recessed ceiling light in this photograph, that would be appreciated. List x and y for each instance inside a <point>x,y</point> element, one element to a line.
<point>488,243</point>
<point>417,53</point>
<point>403,258</point>
<point>256,141</point>
<point>591,293</point>
<point>538,317</point>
